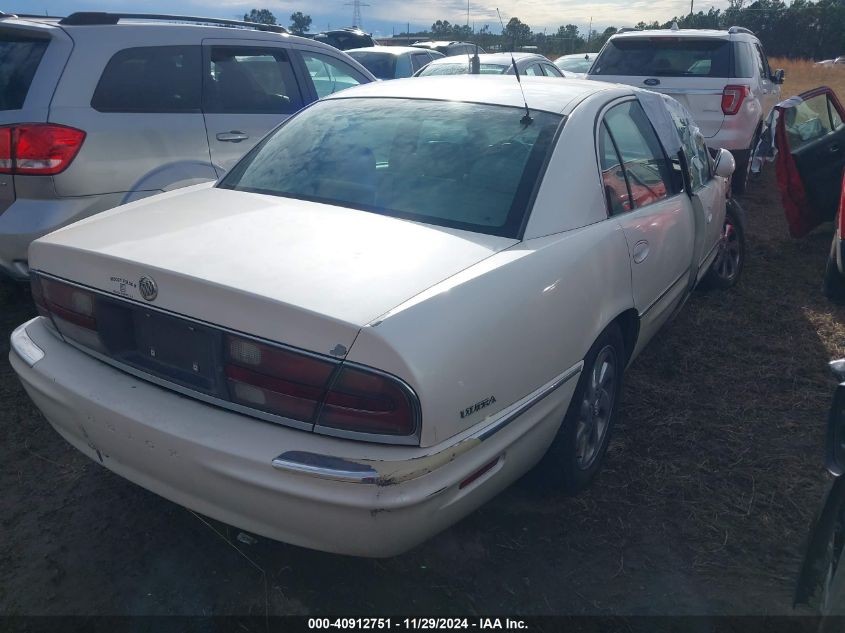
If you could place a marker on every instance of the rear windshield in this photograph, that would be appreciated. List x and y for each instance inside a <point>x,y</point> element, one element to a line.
<point>665,57</point>
<point>574,64</point>
<point>382,65</point>
<point>462,68</point>
<point>19,59</point>
<point>461,165</point>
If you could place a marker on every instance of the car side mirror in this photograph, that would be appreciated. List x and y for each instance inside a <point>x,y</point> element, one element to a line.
<point>725,163</point>
<point>779,76</point>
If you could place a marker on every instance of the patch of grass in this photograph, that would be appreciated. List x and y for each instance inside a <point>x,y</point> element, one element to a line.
<point>802,75</point>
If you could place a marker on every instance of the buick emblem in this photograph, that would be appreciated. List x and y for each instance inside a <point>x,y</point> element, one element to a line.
<point>652,82</point>
<point>148,288</point>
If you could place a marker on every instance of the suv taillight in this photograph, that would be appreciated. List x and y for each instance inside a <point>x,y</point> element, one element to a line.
<point>733,98</point>
<point>305,388</point>
<point>5,150</point>
<point>39,149</point>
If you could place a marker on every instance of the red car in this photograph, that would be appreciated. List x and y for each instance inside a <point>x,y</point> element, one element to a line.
<point>809,134</point>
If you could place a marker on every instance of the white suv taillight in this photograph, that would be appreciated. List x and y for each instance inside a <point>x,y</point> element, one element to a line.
<point>733,98</point>
<point>39,149</point>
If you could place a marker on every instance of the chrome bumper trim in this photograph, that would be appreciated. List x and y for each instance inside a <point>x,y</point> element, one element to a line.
<point>504,421</point>
<point>24,346</point>
<point>325,467</point>
<point>339,469</point>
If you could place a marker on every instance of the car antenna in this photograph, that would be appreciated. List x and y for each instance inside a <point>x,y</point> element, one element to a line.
<point>526,120</point>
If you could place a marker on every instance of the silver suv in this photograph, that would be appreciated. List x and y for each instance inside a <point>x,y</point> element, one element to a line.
<point>99,109</point>
<point>722,77</point>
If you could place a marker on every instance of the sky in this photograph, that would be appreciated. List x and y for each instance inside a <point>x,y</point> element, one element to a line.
<point>384,17</point>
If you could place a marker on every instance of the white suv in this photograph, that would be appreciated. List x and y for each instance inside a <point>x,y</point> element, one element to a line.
<point>723,77</point>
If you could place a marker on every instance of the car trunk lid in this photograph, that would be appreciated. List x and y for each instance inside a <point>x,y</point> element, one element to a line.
<point>301,273</point>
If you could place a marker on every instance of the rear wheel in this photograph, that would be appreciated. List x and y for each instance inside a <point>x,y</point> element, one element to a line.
<point>833,284</point>
<point>730,257</point>
<point>576,454</point>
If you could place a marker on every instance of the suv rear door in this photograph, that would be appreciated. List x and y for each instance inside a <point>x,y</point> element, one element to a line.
<point>248,89</point>
<point>810,137</point>
<point>693,70</point>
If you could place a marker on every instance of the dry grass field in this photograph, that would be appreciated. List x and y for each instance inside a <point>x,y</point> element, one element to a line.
<point>802,74</point>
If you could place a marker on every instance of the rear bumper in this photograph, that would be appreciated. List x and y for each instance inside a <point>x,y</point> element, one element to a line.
<point>221,464</point>
<point>736,134</point>
<point>25,220</point>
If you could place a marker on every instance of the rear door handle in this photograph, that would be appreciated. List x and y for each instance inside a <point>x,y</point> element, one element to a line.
<point>834,149</point>
<point>641,250</point>
<point>232,137</point>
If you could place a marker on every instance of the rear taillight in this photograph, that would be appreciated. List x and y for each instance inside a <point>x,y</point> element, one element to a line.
<point>733,98</point>
<point>287,383</point>
<point>364,401</point>
<point>39,149</point>
<point>5,150</point>
<point>69,303</point>
<point>312,390</point>
<point>71,310</point>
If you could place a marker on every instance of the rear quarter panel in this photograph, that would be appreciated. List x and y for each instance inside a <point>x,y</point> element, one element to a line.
<point>504,327</point>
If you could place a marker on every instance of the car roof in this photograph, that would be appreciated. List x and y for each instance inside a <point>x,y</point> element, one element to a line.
<point>173,27</point>
<point>540,93</point>
<point>683,33</point>
<point>438,43</point>
<point>577,56</point>
<point>491,58</point>
<point>386,50</point>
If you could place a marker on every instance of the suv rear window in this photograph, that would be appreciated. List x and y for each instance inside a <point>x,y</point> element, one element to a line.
<point>665,57</point>
<point>19,59</point>
<point>151,79</point>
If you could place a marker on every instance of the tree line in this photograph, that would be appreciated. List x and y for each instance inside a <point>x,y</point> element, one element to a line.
<point>801,29</point>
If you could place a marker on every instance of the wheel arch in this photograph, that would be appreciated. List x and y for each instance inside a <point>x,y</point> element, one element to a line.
<point>629,323</point>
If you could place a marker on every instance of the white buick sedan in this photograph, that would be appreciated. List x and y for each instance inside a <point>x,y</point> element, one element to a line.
<point>388,311</point>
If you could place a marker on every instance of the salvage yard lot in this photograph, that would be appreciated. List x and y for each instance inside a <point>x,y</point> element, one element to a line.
<point>711,482</point>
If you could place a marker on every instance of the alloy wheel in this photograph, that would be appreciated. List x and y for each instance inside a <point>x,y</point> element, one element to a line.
<point>596,408</point>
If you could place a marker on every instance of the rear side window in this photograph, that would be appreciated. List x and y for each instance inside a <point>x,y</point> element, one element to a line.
<point>647,170</point>
<point>418,60</point>
<point>248,80</point>
<point>665,57</point>
<point>330,75</point>
<point>151,79</point>
<point>744,60</point>
<point>19,59</point>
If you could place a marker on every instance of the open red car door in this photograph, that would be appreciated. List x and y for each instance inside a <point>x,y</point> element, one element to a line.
<point>809,135</point>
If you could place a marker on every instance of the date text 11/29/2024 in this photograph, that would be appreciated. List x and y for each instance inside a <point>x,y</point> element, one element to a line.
<point>416,623</point>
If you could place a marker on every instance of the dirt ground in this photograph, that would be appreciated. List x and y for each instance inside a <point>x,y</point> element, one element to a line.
<point>711,481</point>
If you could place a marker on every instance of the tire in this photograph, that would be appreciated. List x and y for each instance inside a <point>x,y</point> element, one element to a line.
<point>727,267</point>
<point>833,283</point>
<point>576,454</point>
